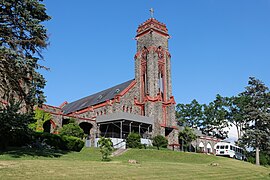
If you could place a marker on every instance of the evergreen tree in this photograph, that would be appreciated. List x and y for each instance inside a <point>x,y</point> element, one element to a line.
<point>14,126</point>
<point>134,140</point>
<point>22,39</point>
<point>256,112</point>
<point>160,141</point>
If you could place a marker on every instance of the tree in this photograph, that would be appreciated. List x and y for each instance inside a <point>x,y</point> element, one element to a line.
<point>235,114</point>
<point>41,117</point>
<point>189,114</point>
<point>160,141</point>
<point>72,129</point>
<point>105,145</point>
<point>214,120</point>
<point>134,140</point>
<point>256,112</point>
<point>22,39</point>
<point>14,126</point>
<point>186,136</point>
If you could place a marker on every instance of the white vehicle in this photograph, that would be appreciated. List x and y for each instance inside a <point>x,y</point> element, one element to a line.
<point>229,150</point>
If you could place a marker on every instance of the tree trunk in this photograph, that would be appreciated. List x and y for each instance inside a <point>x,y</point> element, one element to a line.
<point>238,131</point>
<point>257,156</point>
<point>182,147</point>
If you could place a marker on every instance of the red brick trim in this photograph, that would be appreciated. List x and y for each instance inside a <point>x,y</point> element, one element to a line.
<point>63,104</point>
<point>69,115</point>
<point>54,107</point>
<point>132,84</point>
<point>170,101</point>
<point>152,25</point>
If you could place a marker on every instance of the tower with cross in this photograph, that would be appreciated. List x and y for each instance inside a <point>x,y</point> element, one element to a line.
<point>153,76</point>
<point>151,13</point>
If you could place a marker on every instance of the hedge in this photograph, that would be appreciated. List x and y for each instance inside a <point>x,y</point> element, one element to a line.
<point>69,143</point>
<point>72,143</point>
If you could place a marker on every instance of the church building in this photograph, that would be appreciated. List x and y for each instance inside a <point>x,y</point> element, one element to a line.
<point>144,104</point>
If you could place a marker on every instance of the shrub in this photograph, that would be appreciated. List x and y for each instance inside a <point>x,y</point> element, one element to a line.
<point>134,140</point>
<point>59,142</point>
<point>72,143</point>
<point>105,145</point>
<point>14,129</point>
<point>72,129</point>
<point>160,141</point>
<point>53,140</point>
<point>264,159</point>
<point>251,159</point>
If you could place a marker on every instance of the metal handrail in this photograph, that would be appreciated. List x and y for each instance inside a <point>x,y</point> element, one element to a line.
<point>119,143</point>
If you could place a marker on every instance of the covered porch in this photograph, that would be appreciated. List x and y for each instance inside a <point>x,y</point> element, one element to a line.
<point>120,124</point>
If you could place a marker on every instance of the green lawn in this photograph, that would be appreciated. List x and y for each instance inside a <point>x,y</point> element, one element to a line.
<point>153,164</point>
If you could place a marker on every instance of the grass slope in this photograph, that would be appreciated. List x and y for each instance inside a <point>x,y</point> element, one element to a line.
<point>153,164</point>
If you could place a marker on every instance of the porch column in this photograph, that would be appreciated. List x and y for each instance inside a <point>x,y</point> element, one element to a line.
<point>130,127</point>
<point>98,131</point>
<point>121,130</point>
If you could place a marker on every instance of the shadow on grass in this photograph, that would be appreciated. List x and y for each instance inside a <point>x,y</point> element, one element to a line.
<point>16,152</point>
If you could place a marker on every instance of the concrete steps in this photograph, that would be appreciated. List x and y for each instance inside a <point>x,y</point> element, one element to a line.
<point>119,152</point>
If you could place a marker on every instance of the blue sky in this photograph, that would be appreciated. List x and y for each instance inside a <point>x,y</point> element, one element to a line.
<point>216,45</point>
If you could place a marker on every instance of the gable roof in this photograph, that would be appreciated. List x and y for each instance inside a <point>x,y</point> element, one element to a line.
<point>96,98</point>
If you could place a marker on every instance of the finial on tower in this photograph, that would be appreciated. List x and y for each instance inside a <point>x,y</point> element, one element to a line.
<point>152,12</point>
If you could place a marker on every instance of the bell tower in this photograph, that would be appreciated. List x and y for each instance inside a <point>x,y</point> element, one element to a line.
<point>153,77</point>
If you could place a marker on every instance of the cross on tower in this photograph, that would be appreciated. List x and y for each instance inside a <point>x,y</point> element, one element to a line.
<point>152,12</point>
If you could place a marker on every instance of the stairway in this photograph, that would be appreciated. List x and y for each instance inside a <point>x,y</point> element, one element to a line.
<point>119,152</point>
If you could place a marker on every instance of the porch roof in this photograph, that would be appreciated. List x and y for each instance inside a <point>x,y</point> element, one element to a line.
<point>124,116</point>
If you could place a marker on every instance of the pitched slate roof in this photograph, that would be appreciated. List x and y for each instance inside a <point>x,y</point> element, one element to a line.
<point>96,98</point>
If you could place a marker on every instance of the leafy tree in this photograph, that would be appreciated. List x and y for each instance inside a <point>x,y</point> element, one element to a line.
<point>160,141</point>
<point>105,145</point>
<point>235,114</point>
<point>256,112</point>
<point>189,114</point>
<point>186,136</point>
<point>22,39</point>
<point>14,125</point>
<point>71,120</point>
<point>72,129</point>
<point>41,117</point>
<point>214,120</point>
<point>134,140</point>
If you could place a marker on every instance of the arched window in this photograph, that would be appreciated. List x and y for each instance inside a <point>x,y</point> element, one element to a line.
<point>209,148</point>
<point>201,146</point>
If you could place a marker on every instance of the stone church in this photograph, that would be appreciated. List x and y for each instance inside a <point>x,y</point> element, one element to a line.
<point>144,104</point>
